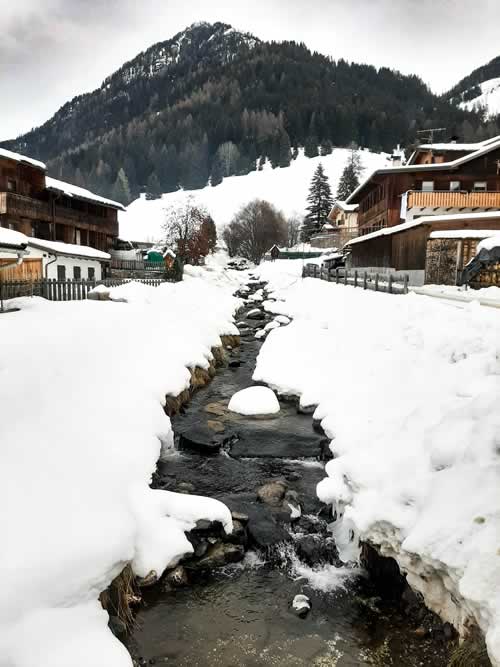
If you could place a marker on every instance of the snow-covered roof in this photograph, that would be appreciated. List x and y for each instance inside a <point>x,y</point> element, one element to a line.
<point>344,206</point>
<point>462,234</point>
<point>169,252</point>
<point>58,248</point>
<point>485,147</point>
<point>12,240</point>
<point>80,193</point>
<point>426,219</point>
<point>327,225</point>
<point>10,155</point>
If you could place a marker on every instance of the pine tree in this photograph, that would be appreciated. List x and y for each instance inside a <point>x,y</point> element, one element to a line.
<point>326,147</point>
<point>311,146</point>
<point>320,202</point>
<point>121,189</point>
<point>285,149</point>
<point>217,174</point>
<point>153,187</point>
<point>349,180</point>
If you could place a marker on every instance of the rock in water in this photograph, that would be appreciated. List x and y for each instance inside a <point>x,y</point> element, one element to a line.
<point>272,493</point>
<point>254,401</point>
<point>255,314</point>
<point>301,605</point>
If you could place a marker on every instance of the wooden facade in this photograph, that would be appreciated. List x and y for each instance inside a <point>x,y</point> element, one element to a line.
<point>27,205</point>
<point>30,269</point>
<point>474,185</point>
<point>406,250</point>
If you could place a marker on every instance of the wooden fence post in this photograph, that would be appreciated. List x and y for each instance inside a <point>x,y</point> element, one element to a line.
<point>365,280</point>
<point>337,276</point>
<point>345,276</point>
<point>355,277</point>
<point>390,284</point>
<point>376,282</point>
<point>405,283</point>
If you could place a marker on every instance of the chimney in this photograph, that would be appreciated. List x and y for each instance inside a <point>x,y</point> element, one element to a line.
<point>397,157</point>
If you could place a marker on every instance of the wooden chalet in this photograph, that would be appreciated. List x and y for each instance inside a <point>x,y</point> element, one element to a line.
<point>453,182</point>
<point>39,206</point>
<point>405,248</point>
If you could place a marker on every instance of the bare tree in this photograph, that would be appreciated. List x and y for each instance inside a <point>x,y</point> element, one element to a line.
<point>293,226</point>
<point>254,230</point>
<point>189,228</point>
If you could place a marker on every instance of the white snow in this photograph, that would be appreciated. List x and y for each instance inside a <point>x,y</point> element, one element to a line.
<point>80,193</point>
<point>59,248</point>
<point>272,325</point>
<point>11,237</point>
<point>254,401</point>
<point>82,426</point>
<point>407,388</point>
<point>462,234</point>
<point>488,100</point>
<point>10,155</point>
<point>287,188</point>
<point>301,601</point>
<point>282,319</point>
<point>488,244</point>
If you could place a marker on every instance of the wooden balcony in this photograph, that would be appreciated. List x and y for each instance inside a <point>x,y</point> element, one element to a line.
<point>24,207</point>
<point>19,206</point>
<point>448,200</point>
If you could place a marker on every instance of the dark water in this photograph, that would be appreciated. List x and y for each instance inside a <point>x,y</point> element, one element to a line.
<point>242,615</point>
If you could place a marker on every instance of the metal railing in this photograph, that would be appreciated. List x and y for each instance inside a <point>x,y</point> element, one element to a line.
<point>378,282</point>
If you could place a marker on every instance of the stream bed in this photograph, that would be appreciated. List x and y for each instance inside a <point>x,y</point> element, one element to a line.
<point>241,614</point>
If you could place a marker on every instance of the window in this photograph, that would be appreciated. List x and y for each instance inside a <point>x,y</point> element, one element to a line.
<point>61,272</point>
<point>11,185</point>
<point>454,186</point>
<point>77,273</point>
<point>480,186</point>
<point>427,186</point>
<point>91,274</point>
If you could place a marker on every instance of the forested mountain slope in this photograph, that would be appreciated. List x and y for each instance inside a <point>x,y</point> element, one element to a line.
<point>211,101</point>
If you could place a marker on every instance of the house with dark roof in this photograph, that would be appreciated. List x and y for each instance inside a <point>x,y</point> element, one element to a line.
<point>442,186</point>
<point>39,206</point>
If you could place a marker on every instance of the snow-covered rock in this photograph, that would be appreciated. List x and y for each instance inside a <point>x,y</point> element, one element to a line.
<point>254,401</point>
<point>301,604</point>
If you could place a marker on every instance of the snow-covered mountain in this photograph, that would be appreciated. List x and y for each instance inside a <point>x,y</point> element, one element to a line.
<point>286,188</point>
<point>480,91</point>
<point>488,101</point>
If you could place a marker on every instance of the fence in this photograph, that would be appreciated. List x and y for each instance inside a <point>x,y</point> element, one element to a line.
<point>63,290</point>
<point>137,265</point>
<point>376,282</point>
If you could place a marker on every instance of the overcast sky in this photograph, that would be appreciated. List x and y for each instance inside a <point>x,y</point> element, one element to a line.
<point>51,50</point>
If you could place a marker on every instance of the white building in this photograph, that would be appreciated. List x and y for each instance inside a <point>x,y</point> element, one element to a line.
<point>53,259</point>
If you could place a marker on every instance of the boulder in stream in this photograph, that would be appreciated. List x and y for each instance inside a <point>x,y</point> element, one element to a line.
<point>301,605</point>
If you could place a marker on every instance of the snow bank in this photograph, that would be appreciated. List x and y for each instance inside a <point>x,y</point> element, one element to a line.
<point>287,188</point>
<point>408,388</point>
<point>254,401</point>
<point>82,388</point>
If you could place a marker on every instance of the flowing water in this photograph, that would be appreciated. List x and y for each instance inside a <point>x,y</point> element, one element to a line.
<point>242,614</point>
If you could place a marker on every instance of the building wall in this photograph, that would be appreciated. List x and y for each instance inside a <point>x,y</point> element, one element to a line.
<point>36,265</point>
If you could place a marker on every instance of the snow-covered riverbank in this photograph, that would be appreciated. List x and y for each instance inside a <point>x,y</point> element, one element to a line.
<point>408,389</point>
<point>82,423</point>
